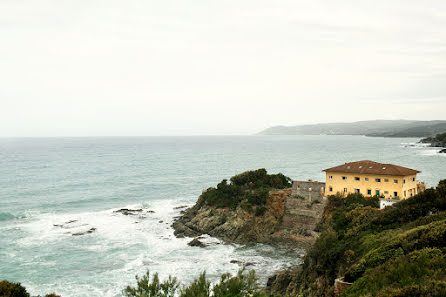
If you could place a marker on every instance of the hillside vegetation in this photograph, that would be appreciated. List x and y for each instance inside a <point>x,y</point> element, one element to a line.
<point>398,251</point>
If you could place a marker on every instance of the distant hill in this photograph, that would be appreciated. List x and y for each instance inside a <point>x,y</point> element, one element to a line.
<point>379,128</point>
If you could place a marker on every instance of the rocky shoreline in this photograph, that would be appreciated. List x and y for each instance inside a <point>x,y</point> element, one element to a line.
<point>438,140</point>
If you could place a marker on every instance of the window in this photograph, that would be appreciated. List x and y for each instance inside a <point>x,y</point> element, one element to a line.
<point>345,190</point>
<point>386,192</point>
<point>377,192</point>
<point>386,180</point>
<point>404,181</point>
<point>366,179</point>
<point>395,194</point>
<point>357,178</point>
<point>357,191</point>
<point>330,177</point>
<point>369,192</point>
<point>378,180</point>
<point>344,178</point>
<point>413,178</point>
<point>404,193</point>
<point>395,181</point>
<point>330,189</point>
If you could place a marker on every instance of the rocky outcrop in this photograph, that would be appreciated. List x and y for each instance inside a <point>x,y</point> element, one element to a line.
<point>196,242</point>
<point>282,282</point>
<point>439,140</point>
<point>288,219</point>
<point>238,226</point>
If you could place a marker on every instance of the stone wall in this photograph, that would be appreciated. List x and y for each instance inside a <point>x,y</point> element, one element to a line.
<point>304,208</point>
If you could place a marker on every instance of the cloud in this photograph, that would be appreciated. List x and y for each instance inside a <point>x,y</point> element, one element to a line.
<point>212,67</point>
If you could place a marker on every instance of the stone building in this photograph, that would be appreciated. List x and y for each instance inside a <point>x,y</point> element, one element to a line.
<point>310,190</point>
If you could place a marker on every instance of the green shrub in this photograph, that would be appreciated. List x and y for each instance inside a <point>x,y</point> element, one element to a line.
<point>238,285</point>
<point>200,287</point>
<point>250,186</point>
<point>243,284</point>
<point>246,206</point>
<point>152,288</point>
<point>8,289</point>
<point>260,210</point>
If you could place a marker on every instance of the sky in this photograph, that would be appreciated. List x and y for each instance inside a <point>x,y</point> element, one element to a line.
<point>206,67</point>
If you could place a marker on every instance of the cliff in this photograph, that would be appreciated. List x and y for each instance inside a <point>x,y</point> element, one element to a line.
<point>287,219</point>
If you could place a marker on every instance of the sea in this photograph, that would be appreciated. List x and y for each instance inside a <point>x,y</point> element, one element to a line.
<point>54,191</point>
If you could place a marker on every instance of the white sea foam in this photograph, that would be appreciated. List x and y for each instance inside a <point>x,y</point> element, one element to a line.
<point>431,152</point>
<point>126,245</point>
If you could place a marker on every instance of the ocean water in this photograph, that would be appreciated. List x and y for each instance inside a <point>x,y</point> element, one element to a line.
<point>52,188</point>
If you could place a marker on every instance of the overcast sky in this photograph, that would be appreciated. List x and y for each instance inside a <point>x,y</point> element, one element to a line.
<point>86,67</point>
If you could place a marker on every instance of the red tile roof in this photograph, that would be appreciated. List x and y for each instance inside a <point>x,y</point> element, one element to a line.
<point>370,167</point>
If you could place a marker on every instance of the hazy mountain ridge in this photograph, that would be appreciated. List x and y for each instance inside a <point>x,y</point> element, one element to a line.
<point>381,128</point>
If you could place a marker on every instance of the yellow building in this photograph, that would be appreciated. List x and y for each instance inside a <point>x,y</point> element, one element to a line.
<point>371,178</point>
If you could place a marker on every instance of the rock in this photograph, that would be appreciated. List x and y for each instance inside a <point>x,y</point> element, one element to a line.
<point>91,230</point>
<point>160,222</point>
<point>66,223</point>
<point>443,151</point>
<point>180,207</point>
<point>240,263</point>
<point>127,211</point>
<point>196,242</point>
<point>182,230</point>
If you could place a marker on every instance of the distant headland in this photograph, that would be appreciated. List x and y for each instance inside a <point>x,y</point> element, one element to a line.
<point>376,128</point>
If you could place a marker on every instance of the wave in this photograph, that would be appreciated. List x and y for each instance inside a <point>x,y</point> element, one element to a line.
<point>6,216</point>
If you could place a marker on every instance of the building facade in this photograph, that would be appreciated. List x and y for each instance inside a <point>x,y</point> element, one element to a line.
<point>371,178</point>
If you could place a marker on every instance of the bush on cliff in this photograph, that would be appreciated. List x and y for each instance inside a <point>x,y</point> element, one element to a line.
<point>250,188</point>
<point>398,251</point>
